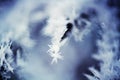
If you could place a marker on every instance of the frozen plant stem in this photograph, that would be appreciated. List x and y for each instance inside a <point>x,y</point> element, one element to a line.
<point>54,50</point>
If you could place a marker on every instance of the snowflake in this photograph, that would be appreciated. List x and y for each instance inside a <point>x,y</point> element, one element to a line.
<point>55,57</point>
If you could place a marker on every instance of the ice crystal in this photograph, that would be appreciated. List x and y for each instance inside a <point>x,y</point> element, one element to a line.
<point>108,56</point>
<point>4,50</point>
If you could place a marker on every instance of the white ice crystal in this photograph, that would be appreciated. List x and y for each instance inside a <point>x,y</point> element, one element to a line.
<point>5,49</point>
<point>54,53</point>
<point>55,57</point>
<point>108,55</point>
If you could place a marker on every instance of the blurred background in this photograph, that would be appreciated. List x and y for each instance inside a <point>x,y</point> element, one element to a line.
<point>31,25</point>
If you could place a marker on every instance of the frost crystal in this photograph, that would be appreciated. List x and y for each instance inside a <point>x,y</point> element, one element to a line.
<point>4,50</point>
<point>108,55</point>
<point>55,57</point>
